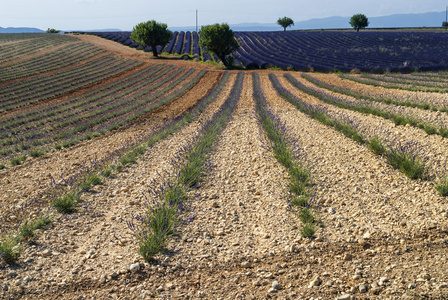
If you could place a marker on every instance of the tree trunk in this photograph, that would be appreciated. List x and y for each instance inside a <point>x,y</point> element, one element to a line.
<point>154,50</point>
<point>223,59</point>
<point>357,29</point>
<point>284,28</point>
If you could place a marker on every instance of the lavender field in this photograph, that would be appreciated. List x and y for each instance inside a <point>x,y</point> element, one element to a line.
<point>320,51</point>
<point>124,176</point>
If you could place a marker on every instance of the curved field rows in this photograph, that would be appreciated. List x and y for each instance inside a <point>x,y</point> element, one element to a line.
<point>380,235</point>
<point>437,100</point>
<point>321,51</point>
<point>23,182</point>
<point>432,147</point>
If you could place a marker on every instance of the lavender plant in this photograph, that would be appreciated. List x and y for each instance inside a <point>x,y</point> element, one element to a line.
<point>359,95</point>
<point>10,247</point>
<point>363,107</point>
<point>442,186</point>
<point>402,157</point>
<point>158,223</point>
<point>299,176</point>
<point>67,194</point>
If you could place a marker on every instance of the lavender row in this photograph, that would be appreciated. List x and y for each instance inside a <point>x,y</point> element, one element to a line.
<point>46,113</point>
<point>63,82</point>
<point>98,122</point>
<point>159,222</point>
<point>32,45</point>
<point>182,43</point>
<point>396,84</point>
<point>88,175</point>
<point>344,51</point>
<point>300,199</point>
<point>405,158</point>
<point>27,87</point>
<point>422,101</point>
<point>395,113</point>
<point>403,80</point>
<point>60,58</point>
<point>80,108</point>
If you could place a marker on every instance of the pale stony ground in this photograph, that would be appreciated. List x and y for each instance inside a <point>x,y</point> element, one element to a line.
<point>439,100</point>
<point>382,236</point>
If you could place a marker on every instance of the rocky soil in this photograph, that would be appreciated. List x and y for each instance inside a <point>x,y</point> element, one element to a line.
<point>381,235</point>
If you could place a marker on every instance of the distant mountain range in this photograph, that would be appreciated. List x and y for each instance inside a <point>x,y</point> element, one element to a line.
<point>430,19</point>
<point>20,30</point>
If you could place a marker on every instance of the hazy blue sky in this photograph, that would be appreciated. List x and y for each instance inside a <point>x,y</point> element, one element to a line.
<point>124,14</point>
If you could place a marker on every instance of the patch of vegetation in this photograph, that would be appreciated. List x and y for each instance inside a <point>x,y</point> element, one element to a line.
<point>442,186</point>
<point>10,248</point>
<point>27,229</point>
<point>36,153</point>
<point>66,203</point>
<point>91,180</point>
<point>18,160</point>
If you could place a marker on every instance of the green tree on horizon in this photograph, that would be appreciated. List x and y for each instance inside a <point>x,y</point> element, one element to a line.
<point>359,21</point>
<point>285,22</point>
<point>52,30</point>
<point>151,33</point>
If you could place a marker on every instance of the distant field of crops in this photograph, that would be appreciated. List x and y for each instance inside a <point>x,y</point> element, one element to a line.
<point>321,51</point>
<point>14,46</point>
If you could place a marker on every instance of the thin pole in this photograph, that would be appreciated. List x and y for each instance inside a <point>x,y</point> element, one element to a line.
<point>196,20</point>
<point>446,19</point>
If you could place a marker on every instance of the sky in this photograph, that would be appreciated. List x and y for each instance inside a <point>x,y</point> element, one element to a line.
<point>125,14</point>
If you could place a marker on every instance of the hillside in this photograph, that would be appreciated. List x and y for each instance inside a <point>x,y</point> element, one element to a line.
<point>20,30</point>
<point>124,176</point>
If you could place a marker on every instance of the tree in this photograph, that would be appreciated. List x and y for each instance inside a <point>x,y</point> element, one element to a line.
<point>218,39</point>
<point>359,21</point>
<point>285,22</point>
<point>151,34</point>
<point>445,25</point>
<point>52,30</point>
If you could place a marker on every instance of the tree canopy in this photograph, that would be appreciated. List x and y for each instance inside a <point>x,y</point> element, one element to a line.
<point>52,30</point>
<point>218,38</point>
<point>359,21</point>
<point>151,34</point>
<point>445,24</point>
<point>285,22</point>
